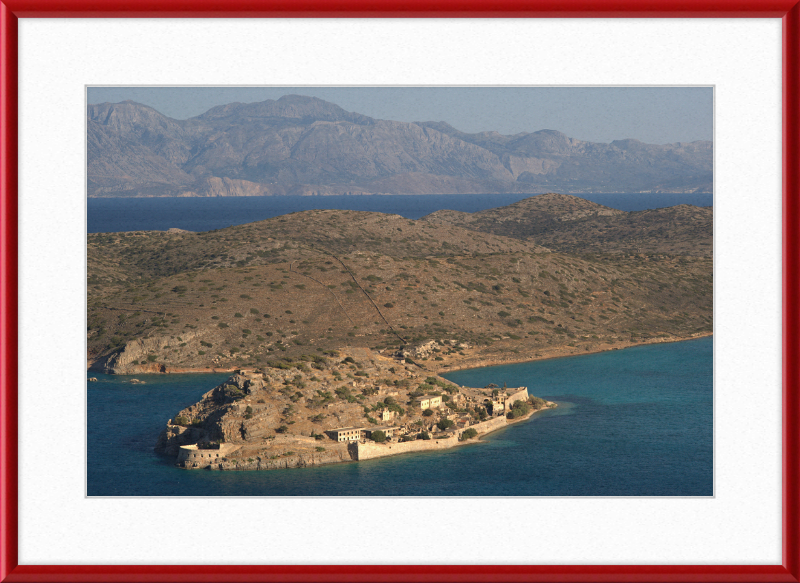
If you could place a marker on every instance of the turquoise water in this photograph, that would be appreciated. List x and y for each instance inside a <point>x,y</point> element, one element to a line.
<point>633,422</point>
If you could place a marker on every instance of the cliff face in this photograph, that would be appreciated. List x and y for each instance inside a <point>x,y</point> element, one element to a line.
<point>303,145</point>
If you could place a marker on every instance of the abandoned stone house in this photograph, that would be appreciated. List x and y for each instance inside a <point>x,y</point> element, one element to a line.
<point>388,430</point>
<point>387,415</point>
<point>346,434</point>
<point>429,402</point>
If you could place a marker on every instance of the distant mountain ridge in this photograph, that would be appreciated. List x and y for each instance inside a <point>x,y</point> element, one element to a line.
<point>308,146</point>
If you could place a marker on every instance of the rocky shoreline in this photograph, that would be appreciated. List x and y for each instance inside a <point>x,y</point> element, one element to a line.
<point>561,352</point>
<point>351,404</point>
<point>353,452</point>
<point>455,363</point>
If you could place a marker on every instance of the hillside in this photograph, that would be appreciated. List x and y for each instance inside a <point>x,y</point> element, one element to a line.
<point>574,225</point>
<point>303,145</point>
<point>313,281</point>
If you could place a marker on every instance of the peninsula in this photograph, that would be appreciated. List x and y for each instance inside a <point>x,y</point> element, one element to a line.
<point>311,281</point>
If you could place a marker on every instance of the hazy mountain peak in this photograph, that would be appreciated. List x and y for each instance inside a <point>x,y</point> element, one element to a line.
<point>132,119</point>
<point>306,145</point>
<point>297,107</point>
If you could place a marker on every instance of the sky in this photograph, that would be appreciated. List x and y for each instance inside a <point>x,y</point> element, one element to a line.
<point>654,115</point>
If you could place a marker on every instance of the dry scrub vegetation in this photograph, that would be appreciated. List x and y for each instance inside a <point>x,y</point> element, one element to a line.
<point>320,280</point>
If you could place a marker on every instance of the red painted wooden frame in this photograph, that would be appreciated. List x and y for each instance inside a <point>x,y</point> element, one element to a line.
<point>11,10</point>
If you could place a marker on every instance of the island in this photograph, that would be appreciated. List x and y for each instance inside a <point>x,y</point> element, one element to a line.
<point>335,407</point>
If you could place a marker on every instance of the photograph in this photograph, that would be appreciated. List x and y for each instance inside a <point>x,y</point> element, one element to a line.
<point>430,291</point>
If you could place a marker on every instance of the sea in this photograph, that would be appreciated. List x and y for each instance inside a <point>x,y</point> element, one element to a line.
<point>105,215</point>
<point>631,422</point>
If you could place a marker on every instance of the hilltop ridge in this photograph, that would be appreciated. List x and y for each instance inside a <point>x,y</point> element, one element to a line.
<point>566,223</point>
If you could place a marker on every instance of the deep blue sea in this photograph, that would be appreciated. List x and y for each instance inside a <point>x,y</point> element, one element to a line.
<point>105,215</point>
<point>632,422</point>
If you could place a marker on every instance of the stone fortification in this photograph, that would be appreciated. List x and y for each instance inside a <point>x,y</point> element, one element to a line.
<point>365,451</point>
<point>488,425</point>
<point>190,456</point>
<point>332,455</point>
<point>521,395</point>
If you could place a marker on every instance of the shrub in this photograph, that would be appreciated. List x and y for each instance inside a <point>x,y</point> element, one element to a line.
<point>249,410</point>
<point>320,448</point>
<point>388,305</point>
<point>427,412</point>
<point>537,402</point>
<point>181,421</point>
<point>282,429</point>
<point>518,409</point>
<point>445,424</point>
<point>253,311</point>
<point>378,436</point>
<point>151,357</point>
<point>423,435</point>
<point>468,434</point>
<point>238,315</point>
<point>222,325</point>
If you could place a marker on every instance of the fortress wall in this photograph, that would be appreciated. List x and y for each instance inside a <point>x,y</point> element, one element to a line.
<point>488,425</point>
<point>203,457</point>
<point>521,395</point>
<point>366,451</point>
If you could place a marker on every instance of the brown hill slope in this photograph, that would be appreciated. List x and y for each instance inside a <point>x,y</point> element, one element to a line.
<point>567,223</point>
<point>114,258</point>
<point>319,280</point>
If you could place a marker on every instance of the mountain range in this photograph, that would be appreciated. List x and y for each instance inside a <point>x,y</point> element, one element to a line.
<point>300,145</point>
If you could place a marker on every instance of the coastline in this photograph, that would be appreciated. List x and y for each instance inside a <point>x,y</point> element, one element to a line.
<point>560,353</point>
<point>467,363</point>
<point>364,451</point>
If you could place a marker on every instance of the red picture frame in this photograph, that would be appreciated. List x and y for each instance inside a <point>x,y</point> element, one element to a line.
<point>11,10</point>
